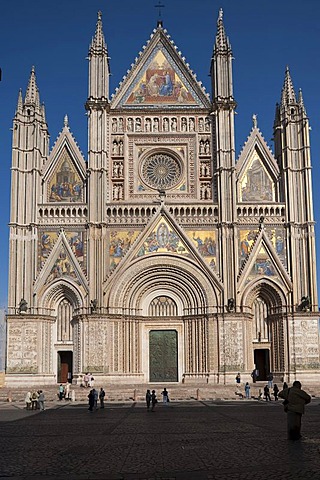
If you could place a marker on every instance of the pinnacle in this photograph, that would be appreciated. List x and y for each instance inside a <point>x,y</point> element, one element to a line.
<point>222,41</point>
<point>288,95</point>
<point>32,93</point>
<point>98,42</point>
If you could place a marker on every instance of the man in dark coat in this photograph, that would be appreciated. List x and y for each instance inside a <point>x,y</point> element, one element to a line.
<point>294,401</point>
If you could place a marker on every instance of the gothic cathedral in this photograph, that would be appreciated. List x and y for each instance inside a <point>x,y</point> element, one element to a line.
<point>160,257</point>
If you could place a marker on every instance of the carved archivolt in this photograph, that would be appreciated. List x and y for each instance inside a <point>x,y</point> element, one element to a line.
<point>180,279</point>
<point>269,291</point>
<point>60,291</point>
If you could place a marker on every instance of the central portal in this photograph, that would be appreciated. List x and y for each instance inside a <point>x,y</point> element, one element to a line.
<point>163,355</point>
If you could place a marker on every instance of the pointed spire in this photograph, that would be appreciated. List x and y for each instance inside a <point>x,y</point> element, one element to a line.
<point>222,41</point>
<point>32,93</point>
<point>20,101</point>
<point>66,121</point>
<point>98,42</point>
<point>288,95</point>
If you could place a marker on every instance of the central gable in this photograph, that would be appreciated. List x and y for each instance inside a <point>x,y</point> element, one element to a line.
<point>160,77</point>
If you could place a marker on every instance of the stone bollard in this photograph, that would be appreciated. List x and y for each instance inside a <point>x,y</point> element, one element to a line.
<point>9,399</point>
<point>198,394</point>
<point>134,395</point>
<point>73,396</point>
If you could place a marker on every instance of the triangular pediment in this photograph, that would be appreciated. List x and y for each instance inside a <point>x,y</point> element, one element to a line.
<point>257,171</point>
<point>61,264</point>
<point>64,172</point>
<point>263,262</point>
<point>160,78</point>
<point>163,236</point>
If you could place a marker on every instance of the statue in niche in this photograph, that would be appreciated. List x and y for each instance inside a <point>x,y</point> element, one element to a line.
<point>148,125</point>
<point>94,305</point>
<point>231,305</point>
<point>121,147</point>
<point>156,124</point>
<point>191,124</point>
<point>23,306</point>
<point>201,125</point>
<point>121,124</point>
<point>174,124</point>
<point>130,124</point>
<point>184,124</point>
<point>114,125</point>
<point>165,124</point>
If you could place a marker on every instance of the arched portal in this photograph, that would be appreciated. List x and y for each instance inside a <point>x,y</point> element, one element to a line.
<point>64,298</point>
<point>164,302</point>
<point>267,302</point>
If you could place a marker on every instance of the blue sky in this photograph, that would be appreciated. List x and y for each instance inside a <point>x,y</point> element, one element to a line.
<point>54,36</point>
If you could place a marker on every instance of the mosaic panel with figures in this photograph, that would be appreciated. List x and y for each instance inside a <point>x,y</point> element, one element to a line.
<point>75,238</point>
<point>256,184</point>
<point>160,84</point>
<point>205,243</point>
<point>278,239</point>
<point>62,267</point>
<point>66,184</point>
<point>119,244</point>
<point>263,266</point>
<point>246,239</point>
<point>163,239</point>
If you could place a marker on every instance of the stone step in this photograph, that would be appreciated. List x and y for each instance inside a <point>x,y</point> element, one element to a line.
<point>129,393</point>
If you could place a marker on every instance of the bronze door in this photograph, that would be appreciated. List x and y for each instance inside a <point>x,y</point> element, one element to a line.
<point>163,355</point>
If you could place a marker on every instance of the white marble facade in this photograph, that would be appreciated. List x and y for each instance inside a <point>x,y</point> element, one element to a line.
<point>161,257</point>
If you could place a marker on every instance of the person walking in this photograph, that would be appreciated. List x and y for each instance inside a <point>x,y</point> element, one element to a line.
<point>41,400</point>
<point>67,391</point>
<point>275,391</point>
<point>247,390</point>
<point>165,396</point>
<point>102,394</point>
<point>266,391</point>
<point>28,401</point>
<point>294,401</point>
<point>148,399</point>
<point>154,400</point>
<point>238,379</point>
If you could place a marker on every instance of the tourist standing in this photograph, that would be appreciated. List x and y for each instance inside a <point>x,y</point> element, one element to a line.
<point>102,394</point>
<point>165,396</point>
<point>275,391</point>
<point>148,399</point>
<point>294,401</point>
<point>41,400</point>
<point>61,392</point>
<point>247,390</point>
<point>91,400</point>
<point>34,400</point>
<point>28,401</point>
<point>238,379</point>
<point>154,400</point>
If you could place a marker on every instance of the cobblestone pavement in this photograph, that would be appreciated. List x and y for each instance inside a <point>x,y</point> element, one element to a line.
<point>183,441</point>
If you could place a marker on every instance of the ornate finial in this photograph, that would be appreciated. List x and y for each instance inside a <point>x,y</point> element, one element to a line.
<point>66,121</point>
<point>255,120</point>
<point>99,15</point>
<point>220,14</point>
<point>159,6</point>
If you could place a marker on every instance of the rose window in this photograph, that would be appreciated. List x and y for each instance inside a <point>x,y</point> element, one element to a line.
<point>161,171</point>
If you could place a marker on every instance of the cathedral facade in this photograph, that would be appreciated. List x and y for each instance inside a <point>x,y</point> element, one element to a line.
<point>161,257</point>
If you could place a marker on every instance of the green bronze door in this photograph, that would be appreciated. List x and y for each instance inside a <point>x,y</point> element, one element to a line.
<point>163,355</point>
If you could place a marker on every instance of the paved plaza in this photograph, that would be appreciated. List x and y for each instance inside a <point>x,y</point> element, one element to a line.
<point>183,441</point>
